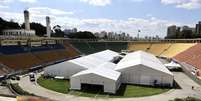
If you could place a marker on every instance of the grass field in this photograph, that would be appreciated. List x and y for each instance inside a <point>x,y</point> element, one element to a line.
<point>125,90</point>
<point>60,86</point>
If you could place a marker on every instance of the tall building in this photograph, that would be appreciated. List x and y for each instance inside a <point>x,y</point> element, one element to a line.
<point>26,20</point>
<point>21,32</point>
<point>48,27</point>
<point>171,31</point>
<point>198,28</point>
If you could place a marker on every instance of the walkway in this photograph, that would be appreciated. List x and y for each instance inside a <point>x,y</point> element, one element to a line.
<point>7,99</point>
<point>184,81</point>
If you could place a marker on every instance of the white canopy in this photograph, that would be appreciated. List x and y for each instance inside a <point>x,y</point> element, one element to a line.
<point>172,64</point>
<point>101,71</point>
<point>106,55</point>
<point>141,58</point>
<point>96,59</point>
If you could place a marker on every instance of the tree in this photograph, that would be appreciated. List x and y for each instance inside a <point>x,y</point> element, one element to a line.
<point>82,35</point>
<point>57,31</point>
<point>8,25</point>
<point>39,28</point>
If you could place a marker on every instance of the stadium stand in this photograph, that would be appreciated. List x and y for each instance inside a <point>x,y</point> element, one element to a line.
<point>158,48</point>
<point>17,57</point>
<point>92,47</point>
<point>167,50</point>
<point>176,48</point>
<point>191,56</point>
<point>139,46</point>
<point>19,61</point>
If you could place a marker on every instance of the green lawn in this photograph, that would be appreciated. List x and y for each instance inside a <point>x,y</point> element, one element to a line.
<point>60,86</point>
<point>125,90</point>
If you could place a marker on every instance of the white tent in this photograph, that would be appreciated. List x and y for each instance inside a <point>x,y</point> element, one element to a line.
<point>172,65</point>
<point>103,76</point>
<point>71,67</point>
<point>144,68</point>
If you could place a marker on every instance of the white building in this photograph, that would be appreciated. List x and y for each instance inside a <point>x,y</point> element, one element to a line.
<point>18,32</point>
<point>71,67</point>
<point>145,69</point>
<point>103,75</point>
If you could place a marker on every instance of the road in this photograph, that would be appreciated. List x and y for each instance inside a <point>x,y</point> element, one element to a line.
<point>184,81</point>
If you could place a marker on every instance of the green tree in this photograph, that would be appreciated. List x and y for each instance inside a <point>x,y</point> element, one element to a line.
<point>82,35</point>
<point>39,28</point>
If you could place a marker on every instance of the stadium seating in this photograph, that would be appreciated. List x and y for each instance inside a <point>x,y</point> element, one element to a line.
<point>23,57</point>
<point>158,48</point>
<point>139,46</point>
<point>92,47</point>
<point>19,61</point>
<point>175,49</point>
<point>50,56</point>
<point>168,50</point>
<point>191,56</point>
<point>11,50</point>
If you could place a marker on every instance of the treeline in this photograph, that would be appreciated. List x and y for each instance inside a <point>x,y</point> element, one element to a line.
<point>41,30</point>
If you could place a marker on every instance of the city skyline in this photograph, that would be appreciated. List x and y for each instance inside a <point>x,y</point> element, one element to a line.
<point>152,17</point>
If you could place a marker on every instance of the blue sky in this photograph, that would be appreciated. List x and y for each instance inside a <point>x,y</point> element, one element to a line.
<point>150,16</point>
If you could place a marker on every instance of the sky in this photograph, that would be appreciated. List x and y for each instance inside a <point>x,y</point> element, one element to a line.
<point>152,17</point>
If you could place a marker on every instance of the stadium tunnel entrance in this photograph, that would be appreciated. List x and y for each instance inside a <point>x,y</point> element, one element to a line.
<point>92,88</point>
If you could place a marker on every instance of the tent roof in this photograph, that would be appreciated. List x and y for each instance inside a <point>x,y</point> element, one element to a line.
<point>106,55</point>
<point>140,54</point>
<point>93,60</point>
<point>172,64</point>
<point>141,58</point>
<point>101,71</point>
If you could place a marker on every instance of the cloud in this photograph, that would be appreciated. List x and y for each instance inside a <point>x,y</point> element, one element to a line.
<point>5,1</point>
<point>48,11</point>
<point>97,2</point>
<point>149,27</point>
<point>137,0</point>
<point>2,6</point>
<point>185,4</point>
<point>28,1</point>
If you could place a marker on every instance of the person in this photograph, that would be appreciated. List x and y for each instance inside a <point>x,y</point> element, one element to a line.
<point>192,87</point>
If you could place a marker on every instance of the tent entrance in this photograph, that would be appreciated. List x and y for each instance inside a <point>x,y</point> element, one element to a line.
<point>92,88</point>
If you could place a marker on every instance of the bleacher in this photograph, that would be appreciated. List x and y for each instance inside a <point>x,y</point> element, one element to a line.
<point>167,50</point>
<point>92,47</point>
<point>191,56</point>
<point>8,50</point>
<point>25,57</point>
<point>139,46</point>
<point>176,48</point>
<point>158,48</point>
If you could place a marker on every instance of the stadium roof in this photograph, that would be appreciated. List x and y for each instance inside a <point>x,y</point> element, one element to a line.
<point>141,58</point>
<point>101,71</point>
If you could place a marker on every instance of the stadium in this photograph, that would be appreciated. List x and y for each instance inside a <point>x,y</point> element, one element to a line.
<point>61,69</point>
<point>22,56</point>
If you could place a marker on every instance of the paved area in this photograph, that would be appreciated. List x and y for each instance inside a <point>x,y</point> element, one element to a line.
<point>184,81</point>
<point>7,99</point>
<point>5,91</point>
